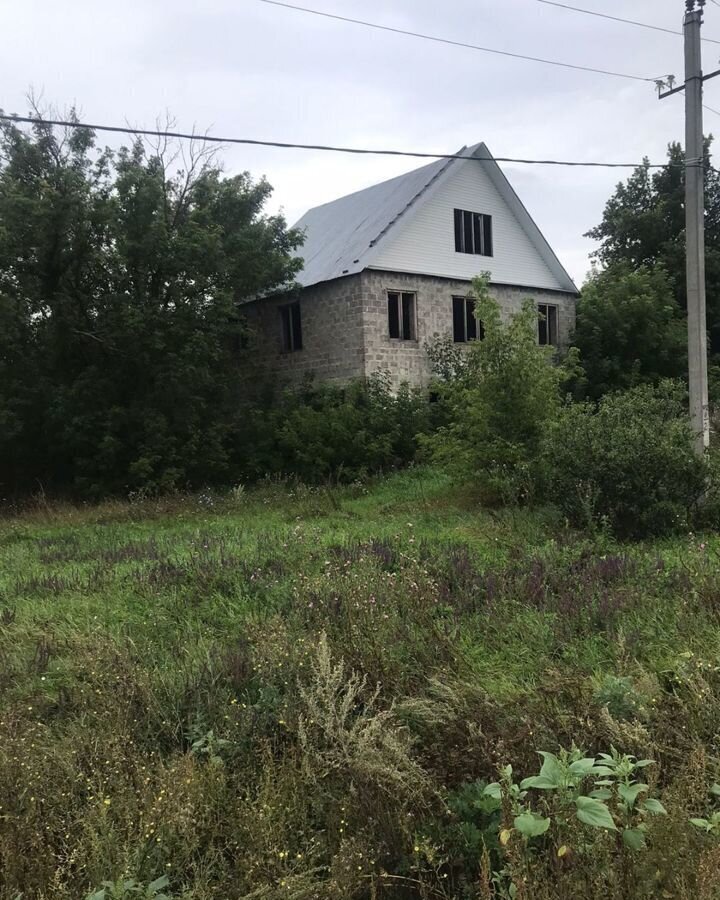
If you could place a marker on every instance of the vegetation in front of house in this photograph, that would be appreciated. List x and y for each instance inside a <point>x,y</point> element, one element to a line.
<point>120,279</point>
<point>318,694</point>
<point>624,463</point>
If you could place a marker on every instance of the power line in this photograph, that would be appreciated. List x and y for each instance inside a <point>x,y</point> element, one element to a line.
<point>452,43</point>
<point>286,145</point>
<point>710,109</point>
<point>592,12</point>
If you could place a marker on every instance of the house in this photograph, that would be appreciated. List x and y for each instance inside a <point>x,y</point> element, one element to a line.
<point>389,267</point>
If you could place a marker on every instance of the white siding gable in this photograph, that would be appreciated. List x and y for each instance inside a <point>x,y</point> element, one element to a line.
<point>423,240</point>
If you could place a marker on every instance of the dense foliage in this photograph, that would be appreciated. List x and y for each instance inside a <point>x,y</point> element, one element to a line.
<point>119,282</point>
<point>629,329</point>
<point>627,463</point>
<point>317,694</point>
<point>624,462</point>
<point>498,401</point>
<point>327,432</point>
<point>644,225</point>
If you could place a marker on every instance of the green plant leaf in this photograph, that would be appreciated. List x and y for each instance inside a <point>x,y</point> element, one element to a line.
<point>701,823</point>
<point>641,763</point>
<point>551,768</point>
<point>541,782</point>
<point>601,794</point>
<point>162,882</point>
<point>493,790</point>
<point>715,790</point>
<point>585,766</point>
<point>594,812</point>
<point>630,793</point>
<point>531,825</point>
<point>654,807</point>
<point>634,838</point>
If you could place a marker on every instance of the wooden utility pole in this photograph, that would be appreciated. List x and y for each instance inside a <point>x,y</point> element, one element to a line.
<point>695,222</point>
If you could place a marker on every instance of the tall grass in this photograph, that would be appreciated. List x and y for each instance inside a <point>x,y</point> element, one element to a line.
<point>291,693</point>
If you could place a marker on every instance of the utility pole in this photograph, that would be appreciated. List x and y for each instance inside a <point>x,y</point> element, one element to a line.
<point>695,221</point>
<point>695,228</point>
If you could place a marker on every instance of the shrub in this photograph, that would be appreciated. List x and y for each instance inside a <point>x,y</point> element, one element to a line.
<point>499,403</point>
<point>626,463</point>
<point>629,329</point>
<point>338,432</point>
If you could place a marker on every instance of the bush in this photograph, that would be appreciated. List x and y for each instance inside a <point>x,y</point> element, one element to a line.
<point>499,403</point>
<point>629,330</point>
<point>627,462</point>
<point>339,432</point>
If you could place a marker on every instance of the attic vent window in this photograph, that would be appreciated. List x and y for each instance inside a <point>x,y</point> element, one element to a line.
<point>465,326</point>
<point>401,316</point>
<point>290,328</point>
<point>473,233</point>
<point>547,325</point>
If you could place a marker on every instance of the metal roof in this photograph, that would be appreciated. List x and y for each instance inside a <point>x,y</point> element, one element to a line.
<point>341,237</point>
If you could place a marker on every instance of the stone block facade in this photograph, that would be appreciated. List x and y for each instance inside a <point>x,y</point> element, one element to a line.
<point>345,330</point>
<point>331,316</point>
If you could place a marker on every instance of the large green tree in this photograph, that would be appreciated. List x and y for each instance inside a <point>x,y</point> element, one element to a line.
<point>629,329</point>
<point>644,224</point>
<point>120,276</point>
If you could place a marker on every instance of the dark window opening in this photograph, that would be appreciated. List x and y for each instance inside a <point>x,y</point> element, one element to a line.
<point>473,233</point>
<point>291,328</point>
<point>465,325</point>
<point>401,315</point>
<point>547,325</point>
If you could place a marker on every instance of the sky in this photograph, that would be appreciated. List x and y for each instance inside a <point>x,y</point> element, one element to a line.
<point>243,68</point>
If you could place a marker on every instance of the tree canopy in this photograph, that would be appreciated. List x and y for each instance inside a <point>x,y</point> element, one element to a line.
<point>644,225</point>
<point>120,276</point>
<point>629,330</point>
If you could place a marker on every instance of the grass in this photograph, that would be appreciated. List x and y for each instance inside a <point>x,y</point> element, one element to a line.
<point>284,693</point>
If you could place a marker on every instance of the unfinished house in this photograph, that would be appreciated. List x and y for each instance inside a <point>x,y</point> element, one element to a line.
<point>389,267</point>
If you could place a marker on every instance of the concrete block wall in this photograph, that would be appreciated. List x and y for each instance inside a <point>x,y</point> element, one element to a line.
<point>407,360</point>
<point>345,327</point>
<point>331,319</point>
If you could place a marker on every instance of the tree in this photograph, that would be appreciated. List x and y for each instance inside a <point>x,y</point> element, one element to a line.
<point>119,288</point>
<point>500,402</point>
<point>629,329</point>
<point>644,224</point>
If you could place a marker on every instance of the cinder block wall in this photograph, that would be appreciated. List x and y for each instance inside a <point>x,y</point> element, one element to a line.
<point>407,360</point>
<point>331,318</point>
<point>345,327</point>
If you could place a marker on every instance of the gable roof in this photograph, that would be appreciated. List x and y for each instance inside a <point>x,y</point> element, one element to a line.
<point>343,236</point>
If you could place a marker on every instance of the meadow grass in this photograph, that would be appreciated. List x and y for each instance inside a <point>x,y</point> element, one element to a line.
<point>287,692</point>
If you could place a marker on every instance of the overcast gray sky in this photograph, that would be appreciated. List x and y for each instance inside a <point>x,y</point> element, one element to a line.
<point>246,69</point>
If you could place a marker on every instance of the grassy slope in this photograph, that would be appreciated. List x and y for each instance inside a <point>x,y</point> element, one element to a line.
<point>128,634</point>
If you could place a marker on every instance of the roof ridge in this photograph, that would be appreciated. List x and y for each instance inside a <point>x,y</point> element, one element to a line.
<point>413,199</point>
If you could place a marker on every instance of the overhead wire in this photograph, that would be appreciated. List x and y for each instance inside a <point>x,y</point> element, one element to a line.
<point>288,145</point>
<point>592,12</point>
<point>453,43</point>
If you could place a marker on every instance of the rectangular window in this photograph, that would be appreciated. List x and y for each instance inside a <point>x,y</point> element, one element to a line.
<point>473,233</point>
<point>291,328</point>
<point>465,326</point>
<point>547,325</point>
<point>401,315</point>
